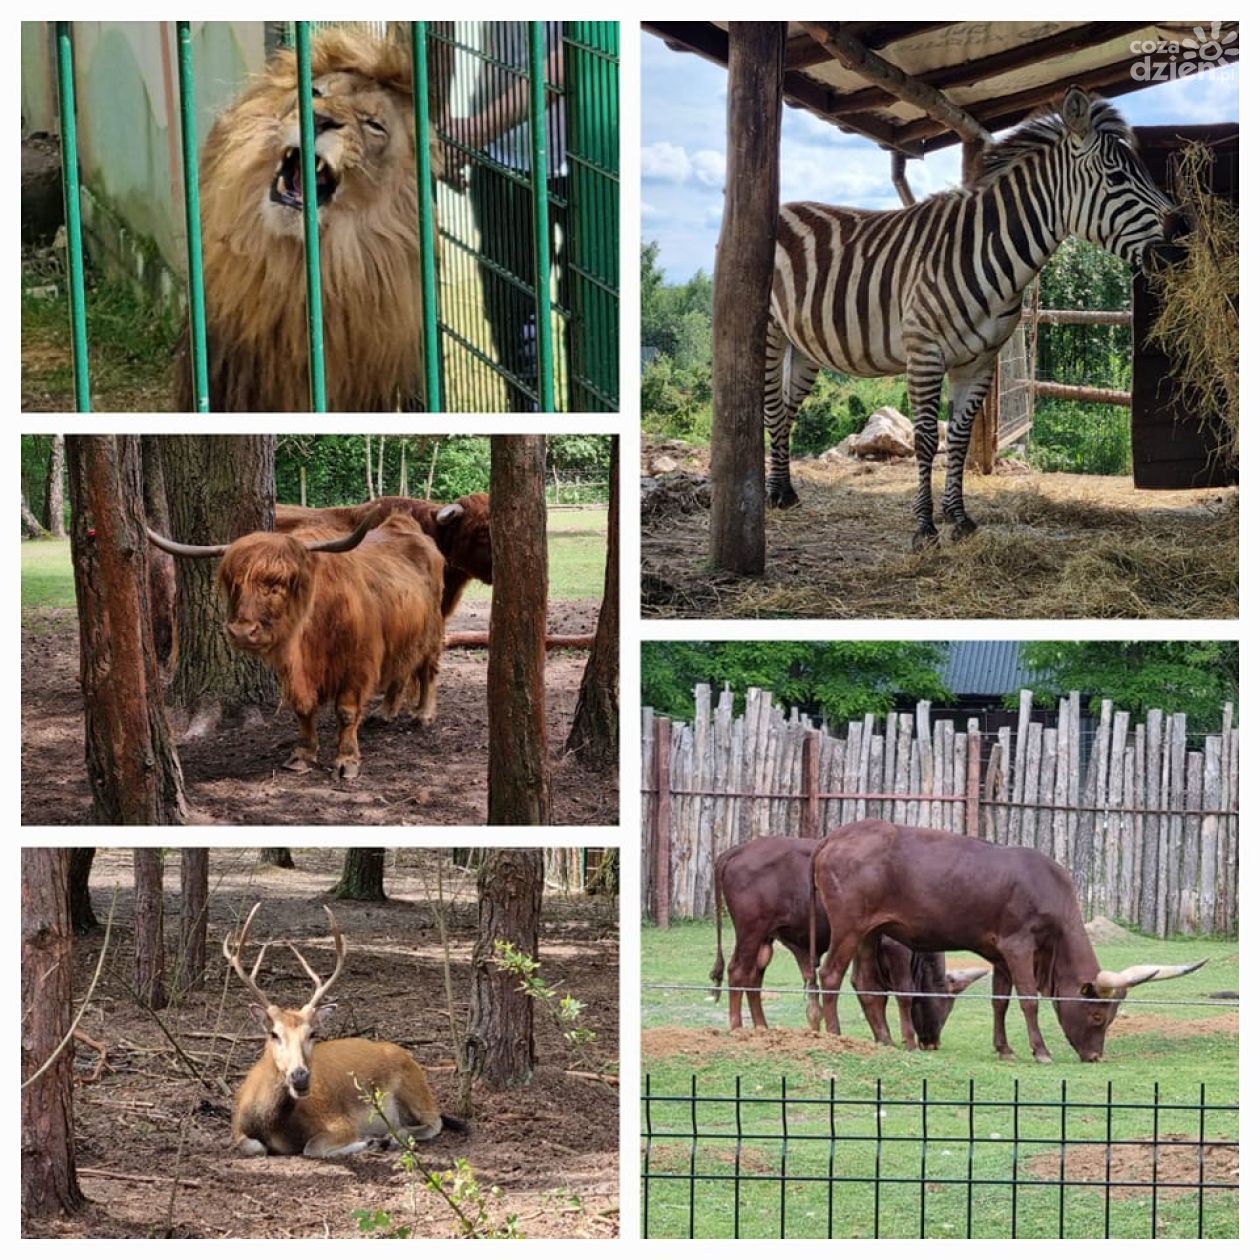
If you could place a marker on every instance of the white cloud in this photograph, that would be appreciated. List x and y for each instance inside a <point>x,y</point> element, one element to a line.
<point>666,162</point>
<point>710,167</point>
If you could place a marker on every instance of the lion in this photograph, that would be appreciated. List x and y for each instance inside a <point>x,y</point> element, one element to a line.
<point>253,236</point>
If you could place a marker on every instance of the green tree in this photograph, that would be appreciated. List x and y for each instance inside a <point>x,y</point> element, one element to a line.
<point>836,681</point>
<point>1195,678</point>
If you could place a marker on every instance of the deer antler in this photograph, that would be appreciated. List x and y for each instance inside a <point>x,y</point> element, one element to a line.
<point>322,986</point>
<point>234,957</point>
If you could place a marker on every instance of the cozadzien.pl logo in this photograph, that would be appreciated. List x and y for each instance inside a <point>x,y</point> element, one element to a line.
<point>1163,60</point>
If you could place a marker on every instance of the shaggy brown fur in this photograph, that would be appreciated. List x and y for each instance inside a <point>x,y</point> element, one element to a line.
<point>460,529</point>
<point>339,627</point>
<point>252,233</point>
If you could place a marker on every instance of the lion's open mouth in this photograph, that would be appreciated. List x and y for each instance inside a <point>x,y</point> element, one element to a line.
<point>287,188</point>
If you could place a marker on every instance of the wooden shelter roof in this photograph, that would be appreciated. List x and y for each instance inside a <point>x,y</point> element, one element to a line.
<point>920,85</point>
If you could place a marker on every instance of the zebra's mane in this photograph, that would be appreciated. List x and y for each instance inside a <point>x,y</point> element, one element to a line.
<point>1043,130</point>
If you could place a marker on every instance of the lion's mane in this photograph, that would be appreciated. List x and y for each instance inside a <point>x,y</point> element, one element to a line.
<point>255,279</point>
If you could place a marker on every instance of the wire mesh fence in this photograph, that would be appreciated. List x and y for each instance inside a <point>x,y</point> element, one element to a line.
<point>867,1162</point>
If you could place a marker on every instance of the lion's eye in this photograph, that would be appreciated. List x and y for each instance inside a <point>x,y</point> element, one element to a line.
<point>372,125</point>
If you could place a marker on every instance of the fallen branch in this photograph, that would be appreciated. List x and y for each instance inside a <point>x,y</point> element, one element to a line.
<point>107,1174</point>
<point>481,638</point>
<point>606,1077</point>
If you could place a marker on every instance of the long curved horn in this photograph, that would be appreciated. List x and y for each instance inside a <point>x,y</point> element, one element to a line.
<point>1107,982</point>
<point>190,551</point>
<point>322,986</point>
<point>234,957</point>
<point>957,981</point>
<point>449,513</point>
<point>371,518</point>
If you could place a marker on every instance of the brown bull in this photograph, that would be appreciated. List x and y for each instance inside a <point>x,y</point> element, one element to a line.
<point>461,531</point>
<point>933,890</point>
<point>338,618</point>
<point>765,884</point>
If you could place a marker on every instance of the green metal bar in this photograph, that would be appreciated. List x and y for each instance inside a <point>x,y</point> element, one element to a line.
<point>192,216</point>
<point>542,213</point>
<point>74,219</point>
<point>428,238</point>
<point>310,217</point>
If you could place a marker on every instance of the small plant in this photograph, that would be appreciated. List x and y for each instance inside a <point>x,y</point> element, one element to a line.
<point>377,1223</point>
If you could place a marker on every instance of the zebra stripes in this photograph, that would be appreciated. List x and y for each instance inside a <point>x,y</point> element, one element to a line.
<point>935,289</point>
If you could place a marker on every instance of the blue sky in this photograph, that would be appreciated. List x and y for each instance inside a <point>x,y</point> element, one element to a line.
<point>684,151</point>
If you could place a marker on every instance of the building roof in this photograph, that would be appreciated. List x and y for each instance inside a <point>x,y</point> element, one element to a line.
<point>986,668</point>
<point>995,72</point>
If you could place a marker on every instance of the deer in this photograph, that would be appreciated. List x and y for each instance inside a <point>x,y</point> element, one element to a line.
<point>314,1098</point>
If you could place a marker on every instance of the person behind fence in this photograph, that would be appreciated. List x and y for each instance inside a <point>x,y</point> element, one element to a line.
<point>498,187</point>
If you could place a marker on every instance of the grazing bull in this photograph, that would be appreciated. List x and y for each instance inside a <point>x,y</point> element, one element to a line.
<point>765,884</point>
<point>338,618</point>
<point>460,529</point>
<point>933,890</point>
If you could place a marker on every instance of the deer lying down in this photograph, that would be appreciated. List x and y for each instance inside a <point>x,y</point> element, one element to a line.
<point>305,1097</point>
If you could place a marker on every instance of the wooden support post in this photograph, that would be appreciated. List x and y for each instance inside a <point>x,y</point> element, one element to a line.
<point>663,888</point>
<point>899,181</point>
<point>741,295</point>
<point>983,451</point>
<point>811,816</point>
<point>973,778</point>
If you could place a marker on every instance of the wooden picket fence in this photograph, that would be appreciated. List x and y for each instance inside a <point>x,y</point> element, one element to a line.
<point>1148,829</point>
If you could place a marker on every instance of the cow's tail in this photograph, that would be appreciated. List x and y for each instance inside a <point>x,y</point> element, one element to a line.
<point>719,963</point>
<point>813,986</point>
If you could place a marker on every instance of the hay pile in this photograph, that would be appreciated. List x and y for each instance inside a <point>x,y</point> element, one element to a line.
<point>1197,327</point>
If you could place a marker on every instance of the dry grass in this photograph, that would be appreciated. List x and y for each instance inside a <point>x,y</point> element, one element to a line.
<point>1051,545</point>
<point>1197,326</point>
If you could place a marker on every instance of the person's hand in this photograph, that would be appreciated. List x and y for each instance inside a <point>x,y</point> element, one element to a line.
<point>454,159</point>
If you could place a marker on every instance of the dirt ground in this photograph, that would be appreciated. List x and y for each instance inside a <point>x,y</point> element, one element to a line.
<point>1177,1172</point>
<point>703,1043</point>
<point>236,776</point>
<point>153,1142</point>
<point>1050,545</point>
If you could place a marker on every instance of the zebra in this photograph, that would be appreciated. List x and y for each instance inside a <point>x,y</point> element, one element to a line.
<point>935,289</point>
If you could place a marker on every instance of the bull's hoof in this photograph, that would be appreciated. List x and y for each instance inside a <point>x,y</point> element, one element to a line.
<point>925,538</point>
<point>963,529</point>
<point>782,496</point>
<point>1043,1056</point>
<point>346,769</point>
<point>297,764</point>
<point>1006,1054</point>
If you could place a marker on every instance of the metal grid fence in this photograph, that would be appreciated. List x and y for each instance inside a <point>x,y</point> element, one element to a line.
<point>523,314</point>
<point>760,1163</point>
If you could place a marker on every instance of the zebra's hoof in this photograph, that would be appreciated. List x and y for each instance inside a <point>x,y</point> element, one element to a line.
<point>925,538</point>
<point>963,529</point>
<point>782,497</point>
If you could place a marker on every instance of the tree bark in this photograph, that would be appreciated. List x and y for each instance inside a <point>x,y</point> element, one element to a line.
<point>55,495</point>
<point>595,733</point>
<point>741,295</point>
<point>50,1186</point>
<point>194,889</point>
<point>30,523</point>
<point>276,857</point>
<point>162,573</point>
<point>500,1039</point>
<point>82,919</point>
<point>516,674</point>
<point>132,764</point>
<point>218,487</point>
<point>362,876</point>
<point>150,962</point>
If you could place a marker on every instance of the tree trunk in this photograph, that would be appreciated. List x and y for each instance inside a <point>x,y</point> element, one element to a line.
<point>82,919</point>
<point>132,764</point>
<point>362,876</point>
<point>276,857</point>
<point>500,1039</point>
<point>162,572</point>
<point>150,961</point>
<point>402,468</point>
<point>30,523</point>
<point>594,736</point>
<point>194,896</point>
<point>55,494</point>
<point>367,446</point>
<point>49,1184</point>
<point>742,273</point>
<point>218,487</point>
<point>516,674</point>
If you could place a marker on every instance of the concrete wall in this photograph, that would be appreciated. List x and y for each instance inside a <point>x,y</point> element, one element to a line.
<point>127,85</point>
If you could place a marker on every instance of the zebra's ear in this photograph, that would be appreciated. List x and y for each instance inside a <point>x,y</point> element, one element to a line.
<point>1076,112</point>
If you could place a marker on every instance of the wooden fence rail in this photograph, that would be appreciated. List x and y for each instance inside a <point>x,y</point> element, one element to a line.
<point>1148,829</point>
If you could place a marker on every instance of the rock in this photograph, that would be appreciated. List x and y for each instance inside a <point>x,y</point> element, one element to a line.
<point>42,209</point>
<point>1104,931</point>
<point>662,464</point>
<point>888,434</point>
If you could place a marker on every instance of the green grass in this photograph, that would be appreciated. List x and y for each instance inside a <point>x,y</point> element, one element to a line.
<point>1179,1049</point>
<point>576,549</point>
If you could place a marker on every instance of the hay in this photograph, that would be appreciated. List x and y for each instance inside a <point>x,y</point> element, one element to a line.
<point>1050,545</point>
<point>1197,325</point>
